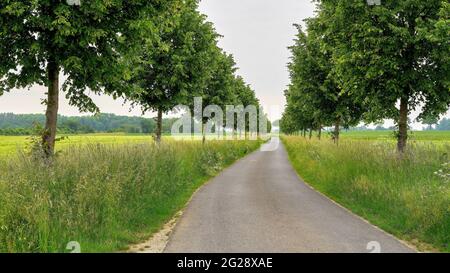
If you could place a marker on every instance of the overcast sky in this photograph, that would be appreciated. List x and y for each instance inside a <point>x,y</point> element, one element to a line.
<point>256,32</point>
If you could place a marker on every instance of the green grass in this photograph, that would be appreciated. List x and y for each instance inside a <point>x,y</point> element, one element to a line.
<point>10,145</point>
<point>402,196</point>
<point>104,196</point>
<point>415,136</point>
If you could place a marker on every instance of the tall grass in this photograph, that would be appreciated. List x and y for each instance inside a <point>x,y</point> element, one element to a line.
<point>103,196</point>
<point>413,137</point>
<point>405,196</point>
<point>10,145</point>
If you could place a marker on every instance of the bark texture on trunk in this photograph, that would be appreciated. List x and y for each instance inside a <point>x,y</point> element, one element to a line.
<point>403,126</point>
<point>159,126</point>
<point>203,132</point>
<point>51,114</point>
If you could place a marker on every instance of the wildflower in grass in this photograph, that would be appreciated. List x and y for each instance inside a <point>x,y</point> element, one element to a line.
<point>444,172</point>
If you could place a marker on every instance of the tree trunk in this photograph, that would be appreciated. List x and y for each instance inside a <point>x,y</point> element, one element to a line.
<point>203,133</point>
<point>403,126</point>
<point>51,114</point>
<point>337,130</point>
<point>310,133</point>
<point>320,133</point>
<point>159,126</point>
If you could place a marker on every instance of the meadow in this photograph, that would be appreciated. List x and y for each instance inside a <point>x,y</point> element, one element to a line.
<point>10,145</point>
<point>407,196</point>
<point>415,136</point>
<point>105,192</point>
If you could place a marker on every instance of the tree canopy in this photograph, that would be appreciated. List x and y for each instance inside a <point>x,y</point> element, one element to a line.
<point>179,66</point>
<point>92,45</point>
<point>157,54</point>
<point>373,62</point>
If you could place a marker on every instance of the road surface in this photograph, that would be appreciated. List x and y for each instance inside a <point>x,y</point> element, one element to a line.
<point>260,205</point>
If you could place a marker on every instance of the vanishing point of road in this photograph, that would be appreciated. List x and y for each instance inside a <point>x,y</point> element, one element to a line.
<point>259,204</point>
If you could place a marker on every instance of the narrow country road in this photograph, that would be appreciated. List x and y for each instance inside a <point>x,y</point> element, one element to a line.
<point>260,205</point>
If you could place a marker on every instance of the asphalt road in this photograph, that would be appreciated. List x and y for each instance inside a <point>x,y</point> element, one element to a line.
<point>260,205</point>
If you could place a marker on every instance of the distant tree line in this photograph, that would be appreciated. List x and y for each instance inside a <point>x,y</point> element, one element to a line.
<point>24,124</point>
<point>443,125</point>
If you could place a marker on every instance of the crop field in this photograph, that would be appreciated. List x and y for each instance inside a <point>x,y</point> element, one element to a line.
<point>420,136</point>
<point>407,195</point>
<point>12,144</point>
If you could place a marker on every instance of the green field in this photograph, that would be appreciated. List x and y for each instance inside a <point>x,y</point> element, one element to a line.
<point>407,196</point>
<point>435,136</point>
<point>109,190</point>
<point>12,144</point>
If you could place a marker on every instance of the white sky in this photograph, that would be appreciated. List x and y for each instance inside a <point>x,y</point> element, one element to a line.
<point>256,32</point>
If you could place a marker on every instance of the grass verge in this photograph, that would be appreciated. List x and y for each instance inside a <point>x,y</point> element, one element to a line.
<point>404,196</point>
<point>104,196</point>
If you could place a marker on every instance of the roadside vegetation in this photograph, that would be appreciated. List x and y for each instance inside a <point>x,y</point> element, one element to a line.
<point>105,191</point>
<point>424,137</point>
<point>356,64</point>
<point>408,197</point>
<point>12,145</point>
<point>104,196</point>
